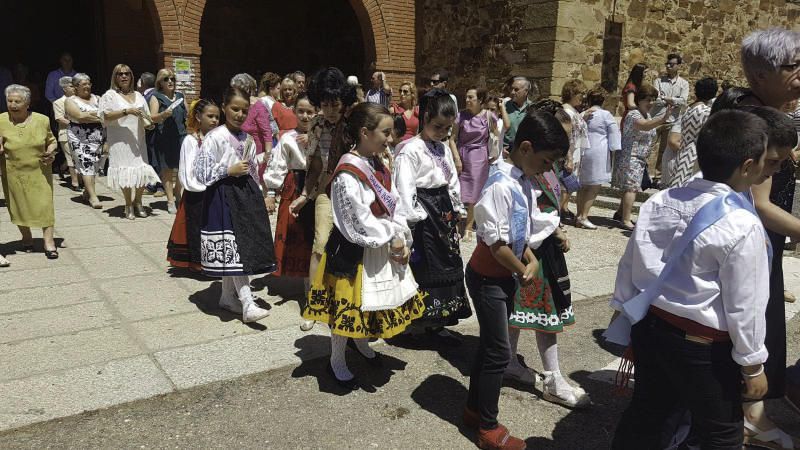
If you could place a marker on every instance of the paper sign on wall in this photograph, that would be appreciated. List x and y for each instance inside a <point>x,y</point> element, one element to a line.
<point>183,69</point>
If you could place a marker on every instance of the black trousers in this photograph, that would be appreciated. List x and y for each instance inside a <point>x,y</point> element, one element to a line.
<point>674,374</point>
<point>493,299</point>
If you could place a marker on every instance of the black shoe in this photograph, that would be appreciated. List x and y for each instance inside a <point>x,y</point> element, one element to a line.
<point>27,248</point>
<point>617,217</point>
<point>51,254</point>
<point>350,385</point>
<point>375,361</point>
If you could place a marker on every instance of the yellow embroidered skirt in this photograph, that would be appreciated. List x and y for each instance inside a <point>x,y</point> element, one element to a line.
<point>337,302</point>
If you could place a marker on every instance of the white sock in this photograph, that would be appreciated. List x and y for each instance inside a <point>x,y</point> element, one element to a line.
<point>242,284</point>
<point>228,289</point>
<point>363,346</point>
<point>513,341</point>
<point>548,350</point>
<point>338,361</point>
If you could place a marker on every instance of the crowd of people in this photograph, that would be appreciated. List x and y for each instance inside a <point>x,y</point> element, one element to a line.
<point>375,189</point>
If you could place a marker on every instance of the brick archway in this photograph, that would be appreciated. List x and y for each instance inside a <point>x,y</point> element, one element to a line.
<point>387,29</point>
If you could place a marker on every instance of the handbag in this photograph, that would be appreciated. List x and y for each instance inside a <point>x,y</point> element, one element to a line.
<point>570,181</point>
<point>647,182</point>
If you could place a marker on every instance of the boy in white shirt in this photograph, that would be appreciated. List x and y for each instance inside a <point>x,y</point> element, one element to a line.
<point>703,333</point>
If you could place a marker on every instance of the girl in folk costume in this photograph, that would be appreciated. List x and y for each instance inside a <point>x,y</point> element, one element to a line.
<point>183,247</point>
<point>509,226</point>
<point>285,174</point>
<point>235,233</point>
<point>545,306</point>
<point>362,288</point>
<point>428,187</point>
<point>330,92</point>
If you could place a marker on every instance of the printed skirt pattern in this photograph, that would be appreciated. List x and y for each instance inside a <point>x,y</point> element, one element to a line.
<point>546,304</point>
<point>235,239</point>
<point>436,260</point>
<point>336,300</point>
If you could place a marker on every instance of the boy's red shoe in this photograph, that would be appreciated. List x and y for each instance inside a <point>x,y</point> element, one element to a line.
<point>499,439</point>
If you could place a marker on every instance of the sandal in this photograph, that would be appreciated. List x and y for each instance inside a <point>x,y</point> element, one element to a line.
<point>51,254</point>
<point>4,262</point>
<point>775,438</point>
<point>27,248</point>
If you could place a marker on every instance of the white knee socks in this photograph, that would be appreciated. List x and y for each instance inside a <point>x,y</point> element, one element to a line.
<point>338,361</point>
<point>242,286</point>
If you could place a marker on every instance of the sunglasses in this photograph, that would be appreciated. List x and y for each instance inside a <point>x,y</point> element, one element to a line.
<point>170,79</point>
<point>435,81</point>
<point>123,74</point>
<point>405,91</point>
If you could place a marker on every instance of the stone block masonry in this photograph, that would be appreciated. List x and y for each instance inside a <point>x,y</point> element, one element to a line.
<point>485,41</point>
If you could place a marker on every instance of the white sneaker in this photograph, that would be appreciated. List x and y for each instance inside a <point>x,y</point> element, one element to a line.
<point>171,208</point>
<point>557,390</point>
<point>253,312</point>
<point>231,304</point>
<point>521,374</point>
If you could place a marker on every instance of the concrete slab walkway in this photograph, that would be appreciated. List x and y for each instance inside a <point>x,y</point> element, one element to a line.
<point>109,323</point>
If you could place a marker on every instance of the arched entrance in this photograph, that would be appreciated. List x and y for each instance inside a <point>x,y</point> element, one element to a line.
<point>256,36</point>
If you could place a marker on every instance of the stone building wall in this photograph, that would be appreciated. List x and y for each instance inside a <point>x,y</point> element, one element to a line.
<point>707,33</point>
<point>485,41</point>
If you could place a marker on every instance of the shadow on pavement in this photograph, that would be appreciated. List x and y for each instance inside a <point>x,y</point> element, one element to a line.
<point>287,288</point>
<point>207,301</point>
<point>591,428</point>
<point>445,398</point>
<point>614,349</point>
<point>313,351</point>
<point>460,357</point>
<point>179,272</point>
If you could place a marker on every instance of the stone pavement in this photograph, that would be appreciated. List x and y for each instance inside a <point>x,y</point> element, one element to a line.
<point>109,323</point>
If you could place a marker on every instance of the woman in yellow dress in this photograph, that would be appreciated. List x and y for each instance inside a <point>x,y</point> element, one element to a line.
<point>28,148</point>
<point>363,287</point>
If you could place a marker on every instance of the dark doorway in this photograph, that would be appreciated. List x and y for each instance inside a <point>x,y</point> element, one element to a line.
<point>38,31</point>
<point>612,49</point>
<point>257,36</point>
<point>98,34</point>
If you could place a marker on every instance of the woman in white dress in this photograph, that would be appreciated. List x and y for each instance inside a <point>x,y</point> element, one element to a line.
<point>125,115</point>
<point>595,168</point>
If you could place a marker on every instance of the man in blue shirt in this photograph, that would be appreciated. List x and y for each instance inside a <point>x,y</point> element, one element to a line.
<point>52,90</point>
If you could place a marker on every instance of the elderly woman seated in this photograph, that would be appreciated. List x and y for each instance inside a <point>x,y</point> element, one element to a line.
<point>28,149</point>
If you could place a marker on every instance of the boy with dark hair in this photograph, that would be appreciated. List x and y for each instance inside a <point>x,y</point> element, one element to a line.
<point>694,282</point>
<point>509,227</point>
